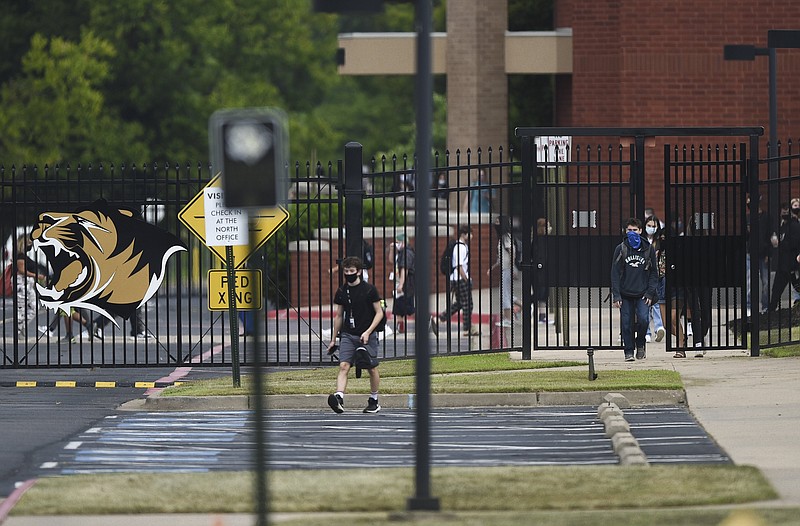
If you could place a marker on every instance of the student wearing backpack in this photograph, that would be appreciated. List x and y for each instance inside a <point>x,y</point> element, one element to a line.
<point>358,316</point>
<point>634,287</point>
<point>460,283</point>
<point>404,285</point>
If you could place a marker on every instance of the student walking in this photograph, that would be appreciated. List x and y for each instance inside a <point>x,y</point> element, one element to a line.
<point>358,313</point>
<point>634,282</point>
<point>460,285</point>
<point>404,285</point>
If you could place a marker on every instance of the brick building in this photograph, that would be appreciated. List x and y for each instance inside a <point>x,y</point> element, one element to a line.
<point>660,63</point>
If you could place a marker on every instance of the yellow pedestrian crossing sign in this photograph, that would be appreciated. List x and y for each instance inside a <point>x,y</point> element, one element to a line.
<point>248,289</point>
<point>264,222</point>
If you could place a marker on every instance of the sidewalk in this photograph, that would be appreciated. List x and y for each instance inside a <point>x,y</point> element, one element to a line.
<point>750,406</point>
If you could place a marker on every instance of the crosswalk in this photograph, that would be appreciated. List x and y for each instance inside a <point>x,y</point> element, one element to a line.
<point>224,440</point>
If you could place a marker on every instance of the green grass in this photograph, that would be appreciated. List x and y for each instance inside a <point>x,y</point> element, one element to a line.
<point>488,373</point>
<point>495,489</point>
<point>785,351</point>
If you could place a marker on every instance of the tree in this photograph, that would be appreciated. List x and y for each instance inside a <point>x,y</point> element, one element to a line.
<point>179,61</point>
<point>56,112</point>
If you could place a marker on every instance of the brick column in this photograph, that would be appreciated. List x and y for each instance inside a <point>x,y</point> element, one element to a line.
<point>477,88</point>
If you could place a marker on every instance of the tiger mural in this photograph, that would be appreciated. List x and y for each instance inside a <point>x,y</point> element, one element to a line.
<point>105,259</point>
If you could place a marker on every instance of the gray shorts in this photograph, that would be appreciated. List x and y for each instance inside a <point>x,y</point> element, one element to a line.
<point>349,343</point>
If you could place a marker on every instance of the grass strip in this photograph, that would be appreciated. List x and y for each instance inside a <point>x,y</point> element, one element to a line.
<point>492,373</point>
<point>500,489</point>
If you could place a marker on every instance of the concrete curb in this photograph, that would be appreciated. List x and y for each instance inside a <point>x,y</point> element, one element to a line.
<point>617,428</point>
<point>157,402</point>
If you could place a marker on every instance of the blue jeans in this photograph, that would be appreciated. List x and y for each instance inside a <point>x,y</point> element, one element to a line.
<point>763,271</point>
<point>655,309</point>
<point>638,308</point>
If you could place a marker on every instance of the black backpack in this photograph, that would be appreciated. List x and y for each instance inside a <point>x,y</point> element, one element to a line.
<point>446,261</point>
<point>368,254</point>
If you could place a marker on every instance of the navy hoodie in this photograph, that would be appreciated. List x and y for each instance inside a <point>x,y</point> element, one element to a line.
<point>633,277</point>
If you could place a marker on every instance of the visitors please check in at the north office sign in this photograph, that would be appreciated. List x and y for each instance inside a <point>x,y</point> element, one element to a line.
<point>225,227</point>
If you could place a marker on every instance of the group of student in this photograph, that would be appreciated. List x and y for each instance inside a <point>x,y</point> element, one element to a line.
<point>359,311</point>
<point>638,278</point>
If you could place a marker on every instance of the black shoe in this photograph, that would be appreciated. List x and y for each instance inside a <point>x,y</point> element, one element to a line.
<point>640,353</point>
<point>434,325</point>
<point>336,403</point>
<point>629,357</point>
<point>372,406</point>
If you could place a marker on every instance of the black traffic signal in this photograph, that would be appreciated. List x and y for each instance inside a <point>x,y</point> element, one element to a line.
<point>248,147</point>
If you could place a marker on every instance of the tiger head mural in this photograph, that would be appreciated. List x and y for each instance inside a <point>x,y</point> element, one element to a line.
<point>104,259</point>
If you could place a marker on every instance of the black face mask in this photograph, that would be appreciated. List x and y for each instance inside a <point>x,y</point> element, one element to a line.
<point>796,211</point>
<point>351,278</point>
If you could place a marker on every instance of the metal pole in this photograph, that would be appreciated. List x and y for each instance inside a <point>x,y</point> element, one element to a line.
<point>423,92</point>
<point>772,150</point>
<point>233,316</point>
<point>353,199</point>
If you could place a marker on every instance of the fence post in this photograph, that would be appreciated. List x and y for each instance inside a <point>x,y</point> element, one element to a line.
<point>755,277</point>
<point>353,199</point>
<point>528,196</point>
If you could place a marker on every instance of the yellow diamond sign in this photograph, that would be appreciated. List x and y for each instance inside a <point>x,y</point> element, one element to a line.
<point>263,223</point>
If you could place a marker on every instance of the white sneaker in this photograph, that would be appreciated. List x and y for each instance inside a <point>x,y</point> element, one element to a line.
<point>699,351</point>
<point>647,338</point>
<point>44,330</point>
<point>660,333</point>
<point>689,329</point>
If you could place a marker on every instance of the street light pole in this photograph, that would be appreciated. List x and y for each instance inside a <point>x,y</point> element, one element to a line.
<point>750,52</point>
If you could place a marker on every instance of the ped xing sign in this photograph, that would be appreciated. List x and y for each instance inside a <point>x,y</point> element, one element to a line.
<point>248,289</point>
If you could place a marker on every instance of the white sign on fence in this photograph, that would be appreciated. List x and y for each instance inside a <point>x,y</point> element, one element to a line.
<point>225,227</point>
<point>553,148</point>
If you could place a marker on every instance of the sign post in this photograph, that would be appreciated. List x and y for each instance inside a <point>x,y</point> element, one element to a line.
<point>233,229</point>
<point>227,227</point>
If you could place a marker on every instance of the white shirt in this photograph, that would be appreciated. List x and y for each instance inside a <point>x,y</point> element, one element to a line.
<point>461,258</point>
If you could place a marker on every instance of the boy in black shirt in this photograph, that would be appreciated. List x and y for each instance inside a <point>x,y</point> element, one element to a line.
<point>358,313</point>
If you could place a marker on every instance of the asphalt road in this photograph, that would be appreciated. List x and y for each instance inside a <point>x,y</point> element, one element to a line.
<point>202,441</point>
<point>37,422</point>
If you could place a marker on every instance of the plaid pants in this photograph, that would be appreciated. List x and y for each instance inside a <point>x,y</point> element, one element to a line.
<point>462,290</point>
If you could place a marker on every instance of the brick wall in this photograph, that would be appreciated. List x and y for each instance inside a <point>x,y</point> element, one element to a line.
<point>316,286</point>
<point>660,63</point>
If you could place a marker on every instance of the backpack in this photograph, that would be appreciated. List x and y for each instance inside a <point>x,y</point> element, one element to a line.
<point>446,261</point>
<point>382,324</point>
<point>410,259</point>
<point>369,255</point>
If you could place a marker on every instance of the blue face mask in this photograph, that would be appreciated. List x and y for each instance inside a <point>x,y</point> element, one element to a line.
<point>634,239</point>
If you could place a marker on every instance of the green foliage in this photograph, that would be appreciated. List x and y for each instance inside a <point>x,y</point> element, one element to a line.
<point>383,212</point>
<point>136,81</point>
<point>57,112</point>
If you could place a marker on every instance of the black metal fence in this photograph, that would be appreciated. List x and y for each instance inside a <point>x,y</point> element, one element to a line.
<point>558,298</point>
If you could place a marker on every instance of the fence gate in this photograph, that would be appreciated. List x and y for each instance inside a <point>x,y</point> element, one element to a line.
<point>586,187</point>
